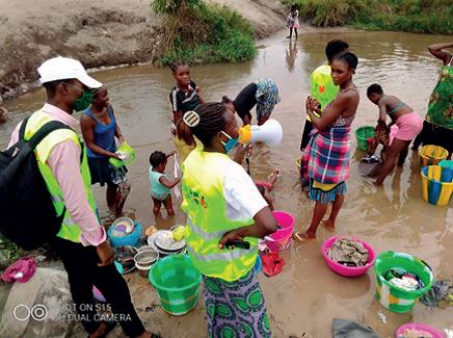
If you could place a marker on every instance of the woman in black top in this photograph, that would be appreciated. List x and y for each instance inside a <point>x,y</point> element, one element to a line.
<point>263,93</point>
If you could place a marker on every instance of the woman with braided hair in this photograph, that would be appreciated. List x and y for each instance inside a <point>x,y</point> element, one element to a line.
<point>184,96</point>
<point>226,215</point>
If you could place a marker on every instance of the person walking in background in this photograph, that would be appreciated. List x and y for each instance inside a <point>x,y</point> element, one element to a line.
<point>325,163</point>
<point>438,124</point>
<point>292,22</point>
<point>99,129</point>
<point>226,215</point>
<point>81,241</point>
<point>322,87</point>
<point>408,122</point>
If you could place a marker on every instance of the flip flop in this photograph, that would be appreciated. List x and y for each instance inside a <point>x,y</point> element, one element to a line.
<point>301,239</point>
<point>330,229</point>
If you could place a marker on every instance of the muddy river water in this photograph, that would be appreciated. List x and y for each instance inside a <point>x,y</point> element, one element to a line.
<point>306,296</point>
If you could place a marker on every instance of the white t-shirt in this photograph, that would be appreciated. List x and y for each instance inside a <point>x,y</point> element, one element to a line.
<point>243,199</point>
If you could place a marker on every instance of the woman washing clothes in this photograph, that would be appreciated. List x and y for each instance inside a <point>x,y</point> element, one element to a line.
<point>262,93</point>
<point>325,163</point>
<point>99,129</point>
<point>409,126</point>
<point>226,215</point>
<point>438,124</point>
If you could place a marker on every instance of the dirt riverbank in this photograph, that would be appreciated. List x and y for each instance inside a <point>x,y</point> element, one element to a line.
<point>100,34</point>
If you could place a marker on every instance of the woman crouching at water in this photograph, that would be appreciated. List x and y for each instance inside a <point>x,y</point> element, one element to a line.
<point>325,163</point>
<point>226,215</point>
<point>408,122</point>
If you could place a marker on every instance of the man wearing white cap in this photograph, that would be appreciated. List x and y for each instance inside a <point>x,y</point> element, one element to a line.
<point>81,241</point>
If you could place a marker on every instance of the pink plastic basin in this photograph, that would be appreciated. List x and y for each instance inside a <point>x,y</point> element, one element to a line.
<point>420,327</point>
<point>347,271</point>
<point>280,239</point>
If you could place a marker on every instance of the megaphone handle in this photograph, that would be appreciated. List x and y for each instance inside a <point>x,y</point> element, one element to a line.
<point>247,161</point>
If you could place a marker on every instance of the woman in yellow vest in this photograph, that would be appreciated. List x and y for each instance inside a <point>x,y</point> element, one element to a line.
<point>226,215</point>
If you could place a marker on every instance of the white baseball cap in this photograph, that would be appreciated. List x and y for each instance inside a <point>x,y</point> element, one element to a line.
<point>61,68</point>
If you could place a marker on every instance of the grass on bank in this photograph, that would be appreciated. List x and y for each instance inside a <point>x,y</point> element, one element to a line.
<point>417,16</point>
<point>200,33</point>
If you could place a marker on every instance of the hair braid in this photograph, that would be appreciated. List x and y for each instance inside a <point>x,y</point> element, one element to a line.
<point>175,65</point>
<point>212,121</point>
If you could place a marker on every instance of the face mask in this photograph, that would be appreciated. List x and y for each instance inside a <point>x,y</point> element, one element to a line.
<point>230,144</point>
<point>84,101</point>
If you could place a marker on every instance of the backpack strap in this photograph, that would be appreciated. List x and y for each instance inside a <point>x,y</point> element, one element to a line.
<point>45,130</point>
<point>22,128</point>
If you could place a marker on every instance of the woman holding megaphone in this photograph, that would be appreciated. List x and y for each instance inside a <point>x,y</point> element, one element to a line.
<point>226,215</point>
<point>325,163</point>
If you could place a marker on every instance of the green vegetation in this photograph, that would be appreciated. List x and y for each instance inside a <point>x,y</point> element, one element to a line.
<point>196,32</point>
<point>9,252</point>
<point>418,16</point>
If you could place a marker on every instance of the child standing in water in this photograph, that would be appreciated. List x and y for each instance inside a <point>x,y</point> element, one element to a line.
<point>408,122</point>
<point>293,21</point>
<point>160,184</point>
<point>185,96</point>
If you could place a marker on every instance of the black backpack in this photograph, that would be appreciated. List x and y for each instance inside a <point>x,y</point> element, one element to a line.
<point>27,214</point>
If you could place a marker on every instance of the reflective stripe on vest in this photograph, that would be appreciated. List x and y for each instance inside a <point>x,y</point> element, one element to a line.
<point>205,205</point>
<point>206,236</point>
<point>69,229</point>
<point>228,255</point>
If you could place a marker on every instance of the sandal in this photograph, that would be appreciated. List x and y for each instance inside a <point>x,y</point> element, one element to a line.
<point>297,236</point>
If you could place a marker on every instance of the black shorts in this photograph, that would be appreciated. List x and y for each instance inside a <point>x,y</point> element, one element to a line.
<point>246,100</point>
<point>103,173</point>
<point>436,135</point>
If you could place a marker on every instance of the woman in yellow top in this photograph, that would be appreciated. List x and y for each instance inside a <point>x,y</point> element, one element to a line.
<point>226,215</point>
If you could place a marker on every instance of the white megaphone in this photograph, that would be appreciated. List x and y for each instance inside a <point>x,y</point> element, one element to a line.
<point>270,132</point>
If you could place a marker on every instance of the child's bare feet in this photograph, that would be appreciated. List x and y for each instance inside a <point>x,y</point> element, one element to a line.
<point>303,236</point>
<point>328,225</point>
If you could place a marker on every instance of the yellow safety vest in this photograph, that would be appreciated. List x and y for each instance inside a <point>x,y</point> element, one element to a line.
<point>69,229</point>
<point>205,205</point>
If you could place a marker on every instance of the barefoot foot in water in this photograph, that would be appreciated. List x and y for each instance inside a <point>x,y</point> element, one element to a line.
<point>303,236</point>
<point>328,225</point>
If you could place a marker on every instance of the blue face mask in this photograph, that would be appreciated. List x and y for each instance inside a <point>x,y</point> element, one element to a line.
<point>230,144</point>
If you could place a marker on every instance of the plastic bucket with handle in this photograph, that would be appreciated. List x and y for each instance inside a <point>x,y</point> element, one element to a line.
<point>392,297</point>
<point>362,135</point>
<point>177,282</point>
<point>437,183</point>
<point>432,155</point>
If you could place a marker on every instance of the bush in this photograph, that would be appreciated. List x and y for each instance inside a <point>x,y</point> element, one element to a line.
<point>196,32</point>
<point>420,16</point>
